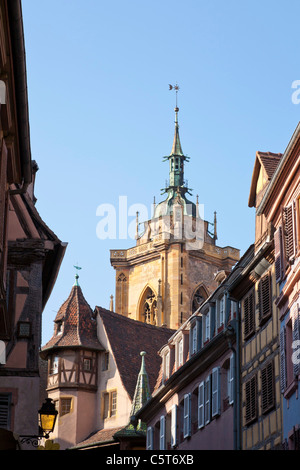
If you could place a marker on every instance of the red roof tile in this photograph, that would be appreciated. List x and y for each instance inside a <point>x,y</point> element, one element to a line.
<point>79,326</point>
<point>105,435</point>
<point>127,339</point>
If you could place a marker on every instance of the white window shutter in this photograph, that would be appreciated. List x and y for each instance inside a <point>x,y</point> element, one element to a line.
<point>207,399</point>
<point>149,444</point>
<point>174,425</point>
<point>162,433</point>
<point>201,405</point>
<point>215,385</point>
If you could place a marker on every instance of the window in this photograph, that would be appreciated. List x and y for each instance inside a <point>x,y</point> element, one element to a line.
<point>87,364</point>
<point>267,388</point>
<point>187,415</point>
<point>174,425</point>
<point>24,329</point>
<point>113,403</point>
<point>109,404</point>
<point>215,391</point>
<point>180,353</point>
<point>194,339</point>
<point>264,298</point>
<point>251,400</point>
<point>105,361</point>
<point>249,315</point>
<point>149,438</point>
<point>5,407</point>
<point>166,365</point>
<point>201,405</point>
<point>207,326</point>
<point>162,435</point>
<point>59,328</point>
<point>54,365</point>
<point>65,406</point>
<point>221,311</point>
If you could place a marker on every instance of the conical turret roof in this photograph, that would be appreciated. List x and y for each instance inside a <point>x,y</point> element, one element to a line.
<point>75,324</point>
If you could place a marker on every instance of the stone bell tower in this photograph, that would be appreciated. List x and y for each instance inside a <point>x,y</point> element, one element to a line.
<point>172,269</point>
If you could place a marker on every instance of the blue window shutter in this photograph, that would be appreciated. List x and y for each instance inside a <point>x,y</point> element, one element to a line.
<point>201,405</point>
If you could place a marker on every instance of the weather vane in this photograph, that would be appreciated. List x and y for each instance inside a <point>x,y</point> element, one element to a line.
<point>176,88</point>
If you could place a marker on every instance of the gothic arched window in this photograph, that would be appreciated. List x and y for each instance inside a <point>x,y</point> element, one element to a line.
<point>148,307</point>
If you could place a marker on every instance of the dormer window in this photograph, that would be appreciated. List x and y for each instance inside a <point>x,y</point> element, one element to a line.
<point>179,353</point>
<point>194,339</point>
<point>59,327</point>
<point>221,311</point>
<point>166,365</point>
<point>206,318</point>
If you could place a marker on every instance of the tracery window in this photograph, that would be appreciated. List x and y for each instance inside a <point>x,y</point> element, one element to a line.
<point>149,307</point>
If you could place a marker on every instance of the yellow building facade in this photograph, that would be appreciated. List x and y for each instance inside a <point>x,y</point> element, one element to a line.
<point>257,291</point>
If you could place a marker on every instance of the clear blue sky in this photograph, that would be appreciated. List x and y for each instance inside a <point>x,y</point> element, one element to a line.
<point>102,116</point>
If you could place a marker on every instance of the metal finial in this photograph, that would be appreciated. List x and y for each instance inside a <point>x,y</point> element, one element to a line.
<point>76,275</point>
<point>176,88</point>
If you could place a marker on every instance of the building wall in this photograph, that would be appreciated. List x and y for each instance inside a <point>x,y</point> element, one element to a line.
<point>109,380</point>
<point>262,348</point>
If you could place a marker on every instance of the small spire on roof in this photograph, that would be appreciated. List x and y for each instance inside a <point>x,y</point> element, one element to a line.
<point>142,390</point>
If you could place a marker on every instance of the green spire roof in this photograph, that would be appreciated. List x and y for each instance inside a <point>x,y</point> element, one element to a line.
<point>142,389</point>
<point>176,149</point>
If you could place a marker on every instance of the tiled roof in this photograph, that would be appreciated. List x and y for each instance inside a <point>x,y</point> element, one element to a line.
<point>79,326</point>
<point>105,435</point>
<point>270,161</point>
<point>128,338</point>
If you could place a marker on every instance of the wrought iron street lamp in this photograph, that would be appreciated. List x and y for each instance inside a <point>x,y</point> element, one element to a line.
<point>47,419</point>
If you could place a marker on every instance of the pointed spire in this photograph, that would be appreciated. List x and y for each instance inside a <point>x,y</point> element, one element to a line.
<point>215,226</point>
<point>142,390</point>
<point>111,303</point>
<point>176,148</point>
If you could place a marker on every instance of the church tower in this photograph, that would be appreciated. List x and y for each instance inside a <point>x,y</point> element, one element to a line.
<point>176,263</point>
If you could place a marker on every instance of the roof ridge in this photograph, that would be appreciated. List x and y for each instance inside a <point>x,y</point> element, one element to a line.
<point>140,323</point>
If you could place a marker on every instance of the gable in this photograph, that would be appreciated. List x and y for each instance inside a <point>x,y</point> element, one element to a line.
<point>264,168</point>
